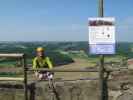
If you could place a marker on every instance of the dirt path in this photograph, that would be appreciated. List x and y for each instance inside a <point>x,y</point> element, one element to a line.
<point>78,64</point>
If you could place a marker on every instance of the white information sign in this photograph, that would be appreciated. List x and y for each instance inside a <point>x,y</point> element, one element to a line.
<point>102,35</point>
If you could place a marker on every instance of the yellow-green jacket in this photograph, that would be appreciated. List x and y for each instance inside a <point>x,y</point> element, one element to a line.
<point>39,62</point>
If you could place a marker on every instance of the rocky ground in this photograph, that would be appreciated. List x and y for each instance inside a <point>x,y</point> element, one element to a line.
<point>117,86</point>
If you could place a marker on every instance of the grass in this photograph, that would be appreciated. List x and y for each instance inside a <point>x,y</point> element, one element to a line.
<point>8,74</point>
<point>81,61</point>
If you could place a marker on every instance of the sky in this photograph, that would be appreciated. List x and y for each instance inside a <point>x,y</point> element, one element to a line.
<point>60,20</point>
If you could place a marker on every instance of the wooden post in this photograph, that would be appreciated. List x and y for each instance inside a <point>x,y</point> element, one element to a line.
<point>25,78</point>
<point>22,56</point>
<point>12,55</point>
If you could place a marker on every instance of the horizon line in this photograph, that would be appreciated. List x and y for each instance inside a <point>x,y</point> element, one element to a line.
<point>61,41</point>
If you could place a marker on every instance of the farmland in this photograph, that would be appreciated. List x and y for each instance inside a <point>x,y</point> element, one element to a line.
<point>66,55</point>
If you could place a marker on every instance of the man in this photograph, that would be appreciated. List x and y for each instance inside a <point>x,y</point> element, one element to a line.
<point>41,61</point>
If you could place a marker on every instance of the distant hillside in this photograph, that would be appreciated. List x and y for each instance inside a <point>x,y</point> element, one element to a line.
<point>55,49</point>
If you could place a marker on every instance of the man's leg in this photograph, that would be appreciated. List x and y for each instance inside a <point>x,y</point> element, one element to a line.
<point>40,76</point>
<point>49,75</point>
<point>36,74</point>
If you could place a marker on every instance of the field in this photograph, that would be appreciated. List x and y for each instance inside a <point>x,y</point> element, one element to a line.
<point>65,55</point>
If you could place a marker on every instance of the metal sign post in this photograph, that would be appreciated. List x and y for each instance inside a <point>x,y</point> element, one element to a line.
<point>101,68</point>
<point>102,42</point>
<point>101,77</point>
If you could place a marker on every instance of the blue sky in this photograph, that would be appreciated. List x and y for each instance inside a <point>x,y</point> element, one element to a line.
<point>60,20</point>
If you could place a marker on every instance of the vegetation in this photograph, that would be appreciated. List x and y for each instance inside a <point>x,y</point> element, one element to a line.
<point>59,52</point>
